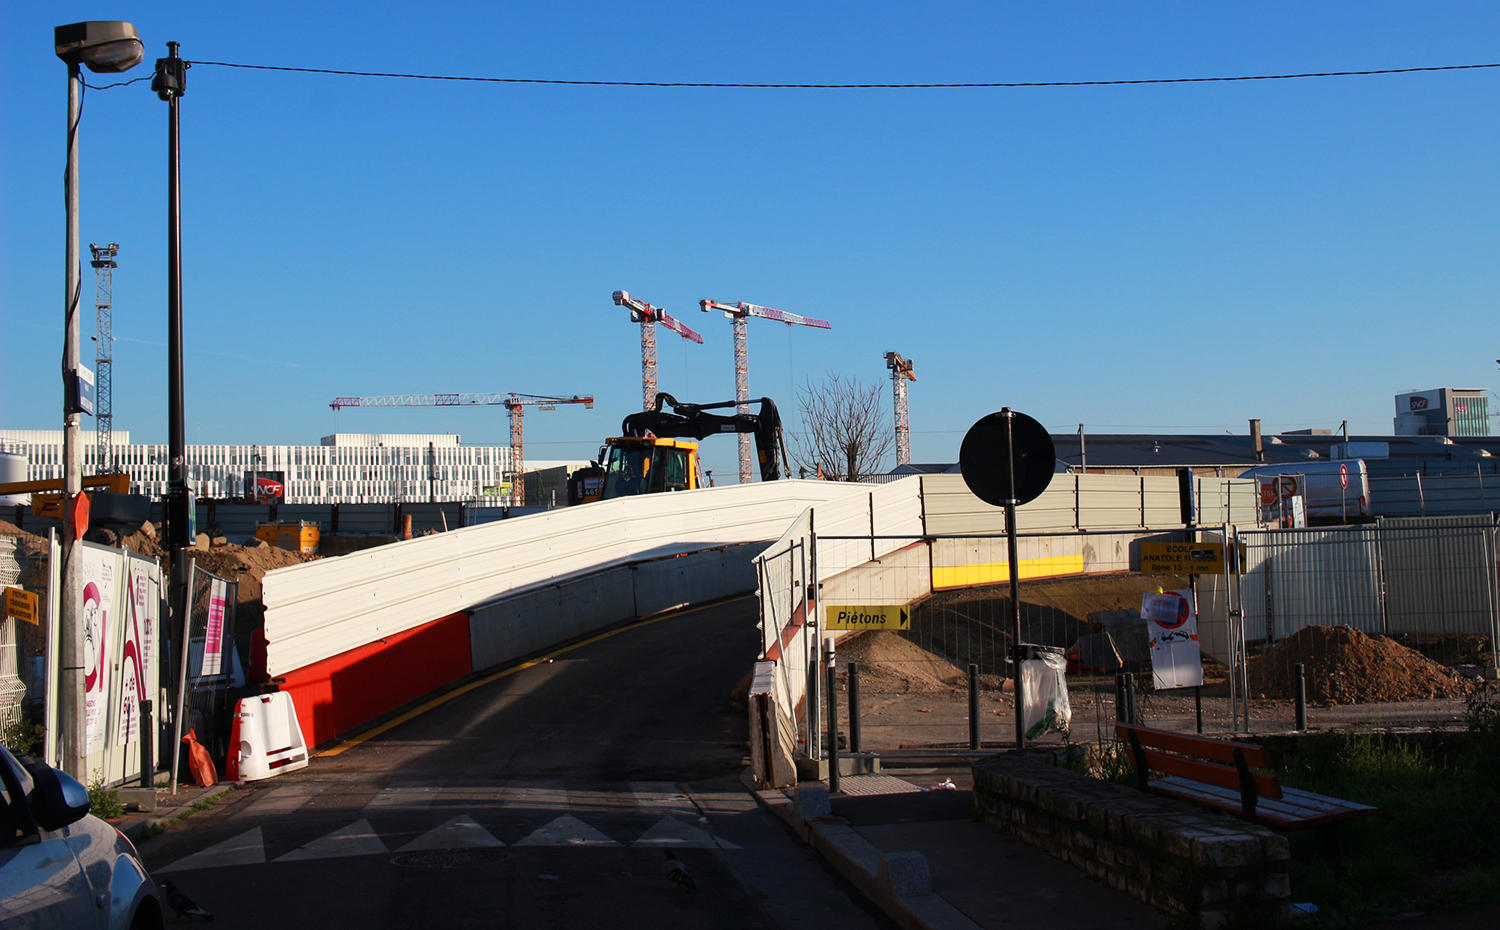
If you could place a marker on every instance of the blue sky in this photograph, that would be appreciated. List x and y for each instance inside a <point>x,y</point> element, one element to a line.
<point>1173,258</point>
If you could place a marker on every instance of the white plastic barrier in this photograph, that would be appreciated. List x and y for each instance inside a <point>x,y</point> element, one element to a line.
<point>266,740</point>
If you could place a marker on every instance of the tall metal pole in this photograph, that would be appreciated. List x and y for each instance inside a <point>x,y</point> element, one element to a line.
<point>1017,651</point>
<point>178,514</point>
<point>70,645</point>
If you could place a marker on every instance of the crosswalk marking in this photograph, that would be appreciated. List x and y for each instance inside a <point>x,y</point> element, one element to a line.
<point>567,830</point>
<point>465,818</point>
<point>462,832</point>
<point>672,832</point>
<point>357,839</point>
<point>279,801</point>
<point>249,848</point>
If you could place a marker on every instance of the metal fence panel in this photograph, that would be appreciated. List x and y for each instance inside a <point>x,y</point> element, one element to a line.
<point>1440,575</point>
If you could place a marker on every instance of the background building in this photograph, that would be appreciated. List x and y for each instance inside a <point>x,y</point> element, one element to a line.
<point>1443,412</point>
<point>345,468</point>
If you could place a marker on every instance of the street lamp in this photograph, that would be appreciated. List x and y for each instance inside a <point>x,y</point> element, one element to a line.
<point>105,48</point>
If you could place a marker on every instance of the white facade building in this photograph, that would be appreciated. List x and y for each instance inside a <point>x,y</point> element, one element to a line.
<point>346,468</point>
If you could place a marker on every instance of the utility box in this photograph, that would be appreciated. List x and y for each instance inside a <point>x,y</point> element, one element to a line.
<point>297,535</point>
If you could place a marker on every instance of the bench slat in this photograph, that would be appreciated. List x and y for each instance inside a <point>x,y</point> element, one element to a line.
<point>1202,746</point>
<point>1212,773</point>
<point>1297,809</point>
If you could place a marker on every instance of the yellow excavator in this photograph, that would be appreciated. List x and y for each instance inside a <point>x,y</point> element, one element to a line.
<point>652,457</point>
<point>50,504</point>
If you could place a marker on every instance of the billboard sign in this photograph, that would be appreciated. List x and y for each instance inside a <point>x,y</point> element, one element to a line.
<point>265,487</point>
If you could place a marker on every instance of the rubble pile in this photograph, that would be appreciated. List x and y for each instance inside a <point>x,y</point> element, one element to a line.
<point>890,662</point>
<point>1343,665</point>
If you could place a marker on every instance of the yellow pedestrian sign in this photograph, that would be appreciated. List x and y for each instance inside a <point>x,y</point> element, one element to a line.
<point>867,617</point>
<point>20,605</point>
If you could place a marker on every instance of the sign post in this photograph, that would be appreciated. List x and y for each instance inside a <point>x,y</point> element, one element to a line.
<point>1007,459</point>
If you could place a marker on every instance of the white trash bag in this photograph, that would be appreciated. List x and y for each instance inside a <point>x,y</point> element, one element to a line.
<point>1044,695</point>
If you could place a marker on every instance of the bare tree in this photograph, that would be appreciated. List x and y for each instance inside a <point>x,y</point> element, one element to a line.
<point>844,428</point>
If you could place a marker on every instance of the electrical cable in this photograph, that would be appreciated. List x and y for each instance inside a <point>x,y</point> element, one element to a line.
<point>706,84</point>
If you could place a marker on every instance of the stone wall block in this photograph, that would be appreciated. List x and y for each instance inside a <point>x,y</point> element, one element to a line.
<point>1220,851</point>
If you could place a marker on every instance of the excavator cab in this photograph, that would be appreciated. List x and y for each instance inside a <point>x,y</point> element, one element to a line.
<point>649,465</point>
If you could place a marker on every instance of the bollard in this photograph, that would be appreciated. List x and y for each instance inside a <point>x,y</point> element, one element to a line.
<point>855,737</point>
<point>831,660</point>
<point>1120,697</point>
<point>1130,699</point>
<point>973,706</point>
<point>148,746</point>
<point>1198,706</point>
<point>1299,685</point>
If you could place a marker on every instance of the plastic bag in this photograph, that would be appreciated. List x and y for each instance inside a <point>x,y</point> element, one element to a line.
<point>199,762</point>
<point>1044,695</point>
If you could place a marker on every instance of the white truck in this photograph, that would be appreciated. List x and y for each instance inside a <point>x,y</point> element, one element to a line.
<point>1332,492</point>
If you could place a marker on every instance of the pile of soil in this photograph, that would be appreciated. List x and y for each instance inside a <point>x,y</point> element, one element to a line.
<point>890,662</point>
<point>246,564</point>
<point>1343,665</point>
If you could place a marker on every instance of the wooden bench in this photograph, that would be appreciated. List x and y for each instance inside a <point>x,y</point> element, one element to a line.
<point>1218,773</point>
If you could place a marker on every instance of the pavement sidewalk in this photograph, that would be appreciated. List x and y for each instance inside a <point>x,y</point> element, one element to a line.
<point>924,858</point>
<point>167,807</point>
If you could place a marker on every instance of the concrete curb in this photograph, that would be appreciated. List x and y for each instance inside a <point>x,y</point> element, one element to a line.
<point>898,883</point>
<point>133,827</point>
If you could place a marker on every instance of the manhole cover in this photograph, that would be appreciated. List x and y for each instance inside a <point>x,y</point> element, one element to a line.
<point>448,858</point>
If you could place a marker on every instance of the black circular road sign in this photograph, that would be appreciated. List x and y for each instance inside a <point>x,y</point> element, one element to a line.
<point>985,458</point>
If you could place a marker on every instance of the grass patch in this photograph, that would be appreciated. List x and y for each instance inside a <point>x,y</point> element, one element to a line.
<point>1432,846</point>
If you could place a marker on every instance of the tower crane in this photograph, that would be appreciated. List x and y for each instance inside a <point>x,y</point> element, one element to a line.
<point>900,374</point>
<point>648,316</point>
<point>104,416</point>
<point>515,404</point>
<point>738,313</point>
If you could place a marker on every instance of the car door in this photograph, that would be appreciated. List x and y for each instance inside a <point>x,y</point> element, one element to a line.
<point>41,884</point>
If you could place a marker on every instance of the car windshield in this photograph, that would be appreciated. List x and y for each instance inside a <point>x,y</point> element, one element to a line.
<point>625,473</point>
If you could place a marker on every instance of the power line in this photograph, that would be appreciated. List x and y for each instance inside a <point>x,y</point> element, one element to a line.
<point>705,84</point>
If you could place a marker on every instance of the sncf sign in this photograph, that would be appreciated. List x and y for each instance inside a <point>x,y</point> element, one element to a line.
<point>1418,402</point>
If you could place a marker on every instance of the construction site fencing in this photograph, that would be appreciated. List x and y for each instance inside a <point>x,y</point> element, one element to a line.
<point>1390,623</point>
<point>213,677</point>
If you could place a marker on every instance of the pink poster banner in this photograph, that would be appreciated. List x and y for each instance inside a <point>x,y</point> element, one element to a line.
<point>213,639</point>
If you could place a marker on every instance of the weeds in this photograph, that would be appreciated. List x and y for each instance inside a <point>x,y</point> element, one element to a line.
<point>104,801</point>
<point>24,738</point>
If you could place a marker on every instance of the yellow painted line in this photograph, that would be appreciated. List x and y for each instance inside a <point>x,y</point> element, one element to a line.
<point>505,673</point>
<point>958,576</point>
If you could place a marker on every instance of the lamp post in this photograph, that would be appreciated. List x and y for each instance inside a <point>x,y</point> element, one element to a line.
<point>170,83</point>
<point>105,48</point>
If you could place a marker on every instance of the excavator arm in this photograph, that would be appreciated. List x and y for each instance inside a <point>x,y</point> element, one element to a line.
<point>692,420</point>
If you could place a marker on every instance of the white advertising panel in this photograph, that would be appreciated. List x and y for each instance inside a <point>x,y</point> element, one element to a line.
<point>98,593</point>
<point>140,617</point>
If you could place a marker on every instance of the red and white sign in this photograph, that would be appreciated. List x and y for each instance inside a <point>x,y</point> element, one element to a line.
<point>213,639</point>
<point>1344,476</point>
<point>1418,402</point>
<point>1172,625</point>
<point>1460,407</point>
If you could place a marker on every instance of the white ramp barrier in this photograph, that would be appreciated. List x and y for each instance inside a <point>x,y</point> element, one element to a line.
<point>266,739</point>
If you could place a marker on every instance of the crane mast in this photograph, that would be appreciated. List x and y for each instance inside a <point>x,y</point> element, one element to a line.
<point>104,418</point>
<point>901,372</point>
<point>738,314</point>
<point>514,404</point>
<point>648,316</point>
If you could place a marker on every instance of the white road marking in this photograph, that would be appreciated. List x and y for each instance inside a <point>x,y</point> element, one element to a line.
<point>357,839</point>
<point>672,832</point>
<point>249,848</point>
<point>567,830</point>
<point>462,832</point>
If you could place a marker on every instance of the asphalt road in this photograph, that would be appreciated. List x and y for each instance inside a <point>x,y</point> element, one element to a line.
<point>548,798</point>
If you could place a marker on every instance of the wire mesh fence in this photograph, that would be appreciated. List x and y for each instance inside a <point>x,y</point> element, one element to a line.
<point>214,671</point>
<point>1385,624</point>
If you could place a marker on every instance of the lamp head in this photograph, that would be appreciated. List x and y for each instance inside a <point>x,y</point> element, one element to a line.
<point>105,46</point>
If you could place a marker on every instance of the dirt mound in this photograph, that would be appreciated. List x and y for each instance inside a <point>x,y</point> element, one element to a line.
<point>889,661</point>
<point>1345,666</point>
<point>247,565</point>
